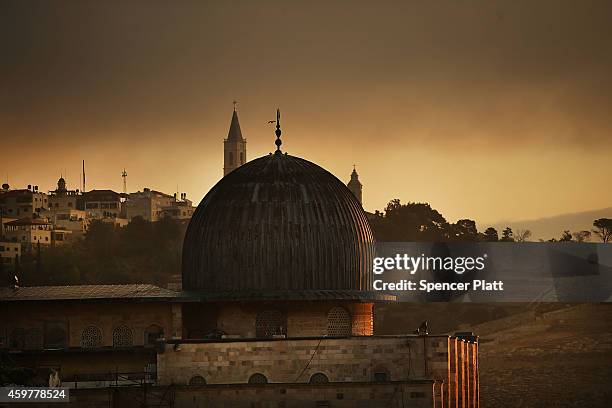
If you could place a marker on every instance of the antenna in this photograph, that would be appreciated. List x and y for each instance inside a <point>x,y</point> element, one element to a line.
<point>124,175</point>
<point>83,176</point>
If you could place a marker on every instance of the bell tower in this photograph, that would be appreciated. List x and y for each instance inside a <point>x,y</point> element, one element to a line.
<point>234,147</point>
<point>355,185</point>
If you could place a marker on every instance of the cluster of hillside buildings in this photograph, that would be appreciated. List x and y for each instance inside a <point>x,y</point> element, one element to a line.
<point>30,217</point>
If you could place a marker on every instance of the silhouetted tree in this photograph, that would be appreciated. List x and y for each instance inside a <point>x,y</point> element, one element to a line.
<point>410,222</point>
<point>464,230</point>
<point>142,251</point>
<point>38,259</point>
<point>507,235</point>
<point>4,274</point>
<point>603,229</point>
<point>490,235</point>
<point>566,236</point>
<point>522,235</point>
<point>581,236</point>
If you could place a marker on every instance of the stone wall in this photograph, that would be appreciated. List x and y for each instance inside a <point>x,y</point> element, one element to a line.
<point>303,319</point>
<point>295,360</point>
<point>450,361</point>
<point>74,317</point>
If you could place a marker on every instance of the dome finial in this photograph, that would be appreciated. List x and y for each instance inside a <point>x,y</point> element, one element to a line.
<point>278,132</point>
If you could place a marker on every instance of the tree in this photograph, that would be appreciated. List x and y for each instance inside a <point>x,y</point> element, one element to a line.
<point>566,236</point>
<point>522,235</point>
<point>581,236</point>
<point>490,235</point>
<point>38,259</point>
<point>507,235</point>
<point>4,281</point>
<point>465,230</point>
<point>410,222</point>
<point>603,229</point>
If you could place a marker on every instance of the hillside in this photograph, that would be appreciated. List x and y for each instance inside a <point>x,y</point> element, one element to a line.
<point>541,355</point>
<point>552,227</point>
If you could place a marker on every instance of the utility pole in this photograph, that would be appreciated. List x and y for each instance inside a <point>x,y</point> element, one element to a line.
<point>83,176</point>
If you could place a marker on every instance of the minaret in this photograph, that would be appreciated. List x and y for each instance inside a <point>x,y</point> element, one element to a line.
<point>234,147</point>
<point>61,185</point>
<point>355,185</point>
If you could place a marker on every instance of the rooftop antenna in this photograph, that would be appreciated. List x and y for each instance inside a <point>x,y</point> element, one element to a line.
<point>124,175</point>
<point>83,176</point>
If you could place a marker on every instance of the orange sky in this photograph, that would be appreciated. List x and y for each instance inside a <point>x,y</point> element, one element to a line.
<point>492,110</point>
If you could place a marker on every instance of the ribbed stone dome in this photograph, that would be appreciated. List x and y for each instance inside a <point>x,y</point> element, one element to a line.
<point>278,223</point>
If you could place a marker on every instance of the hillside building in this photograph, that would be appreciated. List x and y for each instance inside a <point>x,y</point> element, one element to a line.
<point>23,203</point>
<point>28,232</point>
<point>147,204</point>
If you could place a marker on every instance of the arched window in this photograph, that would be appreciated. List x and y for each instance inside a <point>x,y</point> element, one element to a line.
<point>338,322</point>
<point>152,333</point>
<point>17,338</point>
<point>231,158</point>
<point>258,378</point>
<point>318,378</point>
<point>197,380</point>
<point>268,323</point>
<point>122,336</point>
<point>91,337</point>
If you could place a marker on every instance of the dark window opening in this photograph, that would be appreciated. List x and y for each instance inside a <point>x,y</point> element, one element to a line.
<point>318,378</point>
<point>258,378</point>
<point>197,380</point>
<point>269,323</point>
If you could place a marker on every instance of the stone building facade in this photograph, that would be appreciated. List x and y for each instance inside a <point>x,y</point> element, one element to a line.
<point>105,336</point>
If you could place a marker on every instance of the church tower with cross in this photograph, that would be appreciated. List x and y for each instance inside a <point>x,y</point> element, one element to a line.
<point>355,185</point>
<point>234,147</point>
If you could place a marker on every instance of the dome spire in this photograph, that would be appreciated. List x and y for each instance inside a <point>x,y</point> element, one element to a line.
<point>278,132</point>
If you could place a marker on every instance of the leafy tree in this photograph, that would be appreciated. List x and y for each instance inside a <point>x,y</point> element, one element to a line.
<point>139,252</point>
<point>4,273</point>
<point>566,236</point>
<point>464,230</point>
<point>507,235</point>
<point>490,235</point>
<point>410,222</point>
<point>603,229</point>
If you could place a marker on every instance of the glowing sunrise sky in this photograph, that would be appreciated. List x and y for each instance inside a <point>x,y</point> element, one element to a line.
<point>487,110</point>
